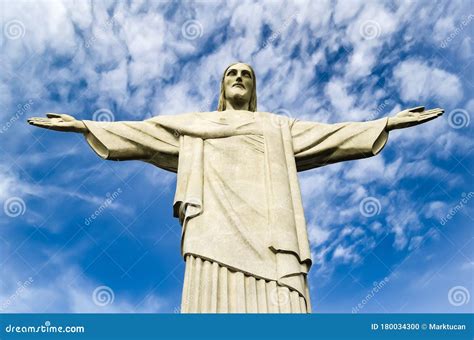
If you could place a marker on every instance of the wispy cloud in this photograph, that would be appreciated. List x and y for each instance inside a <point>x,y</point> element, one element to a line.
<point>325,61</point>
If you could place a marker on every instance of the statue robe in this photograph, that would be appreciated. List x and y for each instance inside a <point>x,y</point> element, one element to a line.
<point>244,235</point>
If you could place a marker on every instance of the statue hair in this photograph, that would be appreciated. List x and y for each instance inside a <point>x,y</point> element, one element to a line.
<point>253,96</point>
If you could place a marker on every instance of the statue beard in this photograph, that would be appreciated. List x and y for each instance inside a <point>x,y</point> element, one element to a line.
<point>239,100</point>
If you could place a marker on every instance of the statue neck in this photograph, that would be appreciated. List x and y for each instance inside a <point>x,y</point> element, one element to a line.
<point>236,105</point>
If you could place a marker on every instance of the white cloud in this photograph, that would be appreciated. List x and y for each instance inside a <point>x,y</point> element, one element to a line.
<point>114,82</point>
<point>374,169</point>
<point>342,102</point>
<point>367,33</point>
<point>80,13</point>
<point>135,60</point>
<point>435,209</point>
<point>69,292</point>
<point>317,235</point>
<point>346,254</point>
<point>144,36</point>
<point>420,82</point>
<point>345,10</point>
<point>52,28</point>
<point>442,26</point>
<point>376,227</point>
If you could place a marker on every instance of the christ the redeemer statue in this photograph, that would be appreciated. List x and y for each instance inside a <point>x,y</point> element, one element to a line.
<point>244,237</point>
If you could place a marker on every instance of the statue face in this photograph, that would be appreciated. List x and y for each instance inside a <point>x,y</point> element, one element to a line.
<point>238,83</point>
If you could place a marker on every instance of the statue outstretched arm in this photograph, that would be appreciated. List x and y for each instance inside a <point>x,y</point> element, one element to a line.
<point>59,122</point>
<point>412,117</point>
<point>146,140</point>
<point>317,144</point>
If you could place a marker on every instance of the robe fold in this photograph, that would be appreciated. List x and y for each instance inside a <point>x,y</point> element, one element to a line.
<point>237,195</point>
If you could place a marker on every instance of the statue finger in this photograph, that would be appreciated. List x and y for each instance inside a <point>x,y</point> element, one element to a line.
<point>435,112</point>
<point>45,123</point>
<point>34,121</point>
<point>53,115</point>
<point>40,124</point>
<point>63,116</point>
<point>417,109</point>
<point>427,118</point>
<point>37,118</point>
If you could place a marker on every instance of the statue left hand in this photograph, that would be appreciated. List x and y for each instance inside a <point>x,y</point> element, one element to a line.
<point>412,117</point>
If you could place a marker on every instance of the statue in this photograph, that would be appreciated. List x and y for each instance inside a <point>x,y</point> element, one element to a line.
<point>237,198</point>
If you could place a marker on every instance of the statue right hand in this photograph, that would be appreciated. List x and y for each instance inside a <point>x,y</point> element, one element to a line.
<point>59,122</point>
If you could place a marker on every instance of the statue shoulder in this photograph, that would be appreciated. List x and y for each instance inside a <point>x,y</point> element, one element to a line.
<point>205,114</point>
<point>182,117</point>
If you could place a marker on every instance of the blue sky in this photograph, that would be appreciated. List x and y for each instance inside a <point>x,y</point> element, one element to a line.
<point>401,221</point>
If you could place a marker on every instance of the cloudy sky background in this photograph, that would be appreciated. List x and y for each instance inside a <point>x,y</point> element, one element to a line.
<point>371,222</point>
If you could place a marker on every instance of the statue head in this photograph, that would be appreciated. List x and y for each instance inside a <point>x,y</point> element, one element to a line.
<point>239,86</point>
